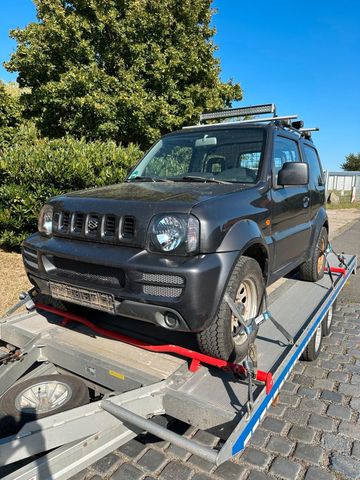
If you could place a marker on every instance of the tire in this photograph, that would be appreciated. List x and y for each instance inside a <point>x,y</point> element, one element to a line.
<point>328,319</point>
<point>313,269</point>
<point>18,409</point>
<point>313,348</point>
<point>223,338</point>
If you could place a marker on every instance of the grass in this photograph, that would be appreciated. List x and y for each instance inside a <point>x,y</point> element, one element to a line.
<point>343,204</point>
<point>13,279</point>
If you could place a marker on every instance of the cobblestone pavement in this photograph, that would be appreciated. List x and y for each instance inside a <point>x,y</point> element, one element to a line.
<point>313,433</point>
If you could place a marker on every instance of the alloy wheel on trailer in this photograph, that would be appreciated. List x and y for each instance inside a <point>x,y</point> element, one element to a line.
<point>43,397</point>
<point>40,397</point>
<point>246,298</point>
<point>328,320</point>
<point>318,337</point>
<point>313,348</point>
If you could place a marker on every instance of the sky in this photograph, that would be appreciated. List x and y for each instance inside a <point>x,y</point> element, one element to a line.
<point>304,57</point>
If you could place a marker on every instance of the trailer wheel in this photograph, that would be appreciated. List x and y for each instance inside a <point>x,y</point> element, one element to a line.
<point>42,396</point>
<point>313,348</point>
<point>225,338</point>
<point>313,269</point>
<point>328,319</point>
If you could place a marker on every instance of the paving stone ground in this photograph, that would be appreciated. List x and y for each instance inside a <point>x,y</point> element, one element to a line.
<point>312,434</point>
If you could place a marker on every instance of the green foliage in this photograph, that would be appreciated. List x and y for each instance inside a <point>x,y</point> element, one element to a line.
<point>31,173</point>
<point>127,70</point>
<point>352,162</point>
<point>10,115</point>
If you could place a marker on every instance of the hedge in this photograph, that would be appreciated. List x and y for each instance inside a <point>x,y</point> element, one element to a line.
<point>32,172</point>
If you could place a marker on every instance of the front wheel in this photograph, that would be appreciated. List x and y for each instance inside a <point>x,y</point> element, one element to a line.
<point>225,337</point>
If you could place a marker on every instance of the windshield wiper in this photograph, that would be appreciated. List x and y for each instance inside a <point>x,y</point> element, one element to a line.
<point>147,179</point>
<point>194,178</point>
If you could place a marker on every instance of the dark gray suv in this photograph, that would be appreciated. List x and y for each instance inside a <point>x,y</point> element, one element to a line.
<point>227,207</point>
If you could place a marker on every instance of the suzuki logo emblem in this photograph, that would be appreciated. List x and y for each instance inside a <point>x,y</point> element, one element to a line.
<point>93,224</point>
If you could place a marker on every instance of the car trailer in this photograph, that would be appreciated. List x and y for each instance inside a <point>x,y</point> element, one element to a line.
<point>133,381</point>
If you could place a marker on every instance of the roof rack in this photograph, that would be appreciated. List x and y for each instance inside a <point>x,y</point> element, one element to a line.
<point>284,121</point>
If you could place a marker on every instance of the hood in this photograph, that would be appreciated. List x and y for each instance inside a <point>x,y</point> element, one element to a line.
<point>186,193</point>
<point>138,201</point>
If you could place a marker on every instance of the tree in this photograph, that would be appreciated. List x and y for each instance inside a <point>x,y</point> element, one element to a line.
<point>129,70</point>
<point>352,162</point>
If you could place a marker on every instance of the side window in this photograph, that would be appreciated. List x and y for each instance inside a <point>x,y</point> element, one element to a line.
<point>285,150</point>
<point>316,174</point>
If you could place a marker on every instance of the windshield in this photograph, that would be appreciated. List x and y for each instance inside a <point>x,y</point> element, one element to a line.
<point>232,155</point>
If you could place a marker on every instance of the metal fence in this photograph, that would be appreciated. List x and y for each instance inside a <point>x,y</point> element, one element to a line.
<point>343,183</point>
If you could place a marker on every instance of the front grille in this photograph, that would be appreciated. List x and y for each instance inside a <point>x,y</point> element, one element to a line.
<point>87,273</point>
<point>162,278</point>
<point>162,284</point>
<point>162,291</point>
<point>30,258</point>
<point>128,227</point>
<point>94,226</point>
<point>109,225</point>
<point>65,221</point>
<point>78,221</point>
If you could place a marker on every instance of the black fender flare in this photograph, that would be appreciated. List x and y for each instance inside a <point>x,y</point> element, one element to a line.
<point>320,220</point>
<point>243,235</point>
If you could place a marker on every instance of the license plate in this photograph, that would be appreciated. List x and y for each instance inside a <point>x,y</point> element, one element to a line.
<point>82,296</point>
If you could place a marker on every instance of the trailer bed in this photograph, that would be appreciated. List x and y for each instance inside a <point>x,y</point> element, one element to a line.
<point>146,384</point>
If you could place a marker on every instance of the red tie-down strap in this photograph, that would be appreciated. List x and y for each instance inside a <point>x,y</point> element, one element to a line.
<point>197,358</point>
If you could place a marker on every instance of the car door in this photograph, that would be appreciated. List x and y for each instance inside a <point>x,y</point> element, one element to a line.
<point>316,182</point>
<point>290,209</point>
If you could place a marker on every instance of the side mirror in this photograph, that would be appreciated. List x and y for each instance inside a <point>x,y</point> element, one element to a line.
<point>294,173</point>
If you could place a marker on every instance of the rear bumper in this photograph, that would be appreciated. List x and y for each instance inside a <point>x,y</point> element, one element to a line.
<point>146,286</point>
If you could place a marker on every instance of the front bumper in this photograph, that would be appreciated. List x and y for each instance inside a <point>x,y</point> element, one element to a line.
<point>146,286</point>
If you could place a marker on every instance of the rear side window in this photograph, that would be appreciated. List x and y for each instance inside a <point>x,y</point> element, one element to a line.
<point>316,173</point>
<point>285,150</point>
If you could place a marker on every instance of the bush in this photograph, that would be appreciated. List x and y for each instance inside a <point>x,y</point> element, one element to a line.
<point>31,172</point>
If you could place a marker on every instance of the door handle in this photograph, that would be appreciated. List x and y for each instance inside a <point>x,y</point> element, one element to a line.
<point>306,201</point>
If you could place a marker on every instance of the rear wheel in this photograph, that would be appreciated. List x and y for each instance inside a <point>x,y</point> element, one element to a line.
<point>313,269</point>
<point>225,337</point>
<point>312,350</point>
<point>328,319</point>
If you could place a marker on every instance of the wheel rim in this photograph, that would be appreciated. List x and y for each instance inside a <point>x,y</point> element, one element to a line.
<point>247,298</point>
<point>321,259</point>
<point>43,397</point>
<point>318,335</point>
<point>329,318</point>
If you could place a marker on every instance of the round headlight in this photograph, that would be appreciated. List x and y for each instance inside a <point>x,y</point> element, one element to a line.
<point>168,233</point>
<point>174,232</point>
<point>45,220</point>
